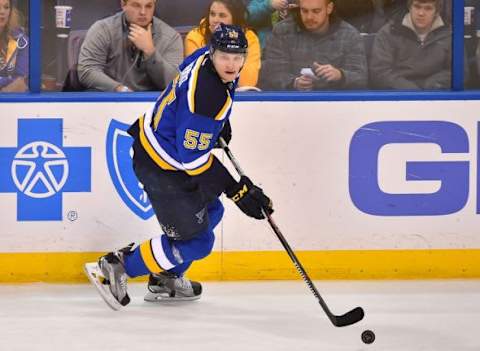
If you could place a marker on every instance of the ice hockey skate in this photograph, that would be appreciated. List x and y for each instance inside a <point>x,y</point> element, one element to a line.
<point>167,286</point>
<point>109,278</point>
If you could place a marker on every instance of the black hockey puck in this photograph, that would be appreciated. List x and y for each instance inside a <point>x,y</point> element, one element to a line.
<point>368,336</point>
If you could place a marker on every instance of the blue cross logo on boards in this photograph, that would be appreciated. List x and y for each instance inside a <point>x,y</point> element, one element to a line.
<point>40,169</point>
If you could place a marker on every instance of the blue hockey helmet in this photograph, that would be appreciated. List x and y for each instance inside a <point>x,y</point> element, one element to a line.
<point>229,38</point>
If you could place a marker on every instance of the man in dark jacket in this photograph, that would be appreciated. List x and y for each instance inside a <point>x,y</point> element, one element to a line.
<point>413,50</point>
<point>314,50</point>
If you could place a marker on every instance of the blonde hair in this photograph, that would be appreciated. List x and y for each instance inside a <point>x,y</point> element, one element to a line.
<point>15,20</point>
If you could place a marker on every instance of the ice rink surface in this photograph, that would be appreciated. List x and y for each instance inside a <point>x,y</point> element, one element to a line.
<point>246,316</point>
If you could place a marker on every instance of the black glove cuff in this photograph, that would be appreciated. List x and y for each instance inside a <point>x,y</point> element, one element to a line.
<point>237,191</point>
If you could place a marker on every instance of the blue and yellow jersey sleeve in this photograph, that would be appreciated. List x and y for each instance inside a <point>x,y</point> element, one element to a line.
<point>196,137</point>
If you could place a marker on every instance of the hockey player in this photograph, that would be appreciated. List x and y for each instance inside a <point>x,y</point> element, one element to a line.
<point>173,159</point>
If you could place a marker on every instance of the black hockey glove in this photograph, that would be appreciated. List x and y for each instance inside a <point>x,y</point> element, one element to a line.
<point>250,198</point>
<point>226,134</point>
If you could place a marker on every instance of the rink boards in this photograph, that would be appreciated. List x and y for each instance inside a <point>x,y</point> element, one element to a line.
<point>362,190</point>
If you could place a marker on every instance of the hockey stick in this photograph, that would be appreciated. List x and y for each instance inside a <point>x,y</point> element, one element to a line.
<point>351,317</point>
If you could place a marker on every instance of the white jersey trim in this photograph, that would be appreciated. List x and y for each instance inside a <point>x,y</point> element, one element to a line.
<point>192,83</point>
<point>198,162</point>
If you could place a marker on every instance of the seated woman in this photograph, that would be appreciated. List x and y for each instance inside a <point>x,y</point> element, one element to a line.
<point>13,51</point>
<point>227,12</point>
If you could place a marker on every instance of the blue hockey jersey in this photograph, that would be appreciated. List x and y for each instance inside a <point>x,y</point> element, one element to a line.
<point>14,62</point>
<point>183,126</point>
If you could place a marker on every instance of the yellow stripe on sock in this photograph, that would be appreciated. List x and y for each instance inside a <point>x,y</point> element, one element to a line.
<point>148,258</point>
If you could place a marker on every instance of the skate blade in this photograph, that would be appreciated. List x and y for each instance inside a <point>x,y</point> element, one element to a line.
<point>96,278</point>
<point>163,297</point>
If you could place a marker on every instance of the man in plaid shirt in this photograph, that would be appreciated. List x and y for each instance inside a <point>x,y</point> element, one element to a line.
<point>314,50</point>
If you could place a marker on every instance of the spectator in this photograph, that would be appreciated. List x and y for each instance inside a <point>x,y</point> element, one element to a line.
<point>262,14</point>
<point>391,8</point>
<point>413,50</point>
<point>227,12</point>
<point>314,50</point>
<point>476,80</point>
<point>130,51</point>
<point>13,50</point>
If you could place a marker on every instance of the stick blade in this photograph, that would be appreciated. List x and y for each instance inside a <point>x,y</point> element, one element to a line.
<point>349,318</point>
